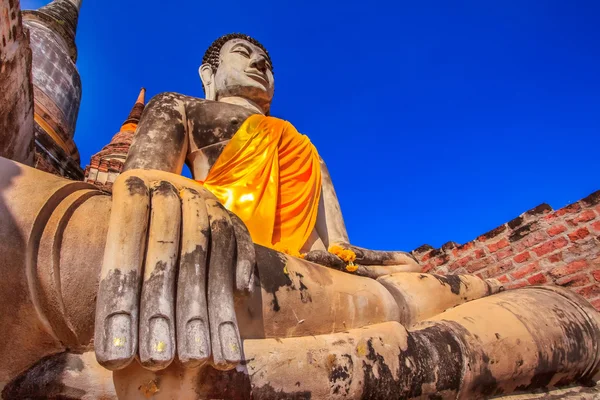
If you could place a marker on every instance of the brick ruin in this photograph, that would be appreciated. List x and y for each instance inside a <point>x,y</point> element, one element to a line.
<point>108,163</point>
<point>16,90</point>
<point>540,246</point>
<point>56,86</point>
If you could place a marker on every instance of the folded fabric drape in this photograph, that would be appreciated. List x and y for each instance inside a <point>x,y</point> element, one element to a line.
<point>269,175</point>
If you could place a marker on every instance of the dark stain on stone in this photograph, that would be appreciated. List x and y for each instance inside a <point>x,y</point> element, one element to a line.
<point>271,266</point>
<point>44,380</point>
<point>566,359</point>
<point>514,223</point>
<point>523,231</point>
<point>136,185</point>
<point>541,209</point>
<point>214,121</point>
<point>449,246</point>
<point>304,293</point>
<point>422,249</point>
<point>189,279</point>
<point>340,377</point>
<point>215,384</point>
<point>267,392</point>
<point>485,382</point>
<point>435,253</point>
<point>322,257</point>
<point>113,286</point>
<point>160,139</point>
<point>416,368</point>
<point>592,199</point>
<point>493,233</point>
<point>165,188</point>
<point>75,364</point>
<point>453,281</point>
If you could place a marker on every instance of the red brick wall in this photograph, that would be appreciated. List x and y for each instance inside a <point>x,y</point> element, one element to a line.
<point>541,246</point>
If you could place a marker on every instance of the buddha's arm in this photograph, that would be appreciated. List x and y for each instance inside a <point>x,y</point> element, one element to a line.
<point>330,222</point>
<point>161,141</point>
<point>332,231</point>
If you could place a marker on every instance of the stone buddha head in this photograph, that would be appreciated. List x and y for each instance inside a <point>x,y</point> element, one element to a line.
<point>238,66</point>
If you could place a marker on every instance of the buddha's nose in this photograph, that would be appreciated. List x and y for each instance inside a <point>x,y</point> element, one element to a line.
<point>259,62</point>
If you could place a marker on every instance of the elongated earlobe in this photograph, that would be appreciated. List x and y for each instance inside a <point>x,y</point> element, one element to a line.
<point>208,81</point>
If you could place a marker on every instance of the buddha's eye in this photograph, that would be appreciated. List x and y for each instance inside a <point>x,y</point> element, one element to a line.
<point>242,51</point>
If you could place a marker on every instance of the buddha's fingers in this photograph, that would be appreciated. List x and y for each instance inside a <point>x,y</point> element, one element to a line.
<point>326,259</point>
<point>157,314</point>
<point>246,257</point>
<point>377,257</point>
<point>116,326</point>
<point>193,336</point>
<point>225,339</point>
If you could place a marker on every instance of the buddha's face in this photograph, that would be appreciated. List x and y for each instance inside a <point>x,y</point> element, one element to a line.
<point>244,71</point>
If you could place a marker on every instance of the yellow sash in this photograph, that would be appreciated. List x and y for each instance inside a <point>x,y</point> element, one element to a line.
<point>269,175</point>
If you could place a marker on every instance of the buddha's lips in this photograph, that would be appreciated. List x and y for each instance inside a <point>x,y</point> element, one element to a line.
<point>258,77</point>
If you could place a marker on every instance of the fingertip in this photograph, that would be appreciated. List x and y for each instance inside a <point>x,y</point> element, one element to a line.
<point>194,349</point>
<point>159,349</point>
<point>115,349</point>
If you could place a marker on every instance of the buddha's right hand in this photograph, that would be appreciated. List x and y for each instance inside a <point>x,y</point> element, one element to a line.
<point>156,269</point>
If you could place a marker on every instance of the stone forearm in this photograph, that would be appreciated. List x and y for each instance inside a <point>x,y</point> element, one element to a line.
<point>39,212</point>
<point>160,141</point>
<point>487,347</point>
<point>330,221</point>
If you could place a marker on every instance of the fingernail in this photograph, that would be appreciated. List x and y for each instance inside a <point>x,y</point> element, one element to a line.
<point>197,340</point>
<point>230,345</point>
<point>117,342</point>
<point>159,343</point>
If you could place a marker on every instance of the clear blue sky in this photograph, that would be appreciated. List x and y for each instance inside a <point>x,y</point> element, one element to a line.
<point>438,120</point>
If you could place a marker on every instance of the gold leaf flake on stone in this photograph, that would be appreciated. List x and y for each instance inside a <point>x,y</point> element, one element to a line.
<point>160,346</point>
<point>361,349</point>
<point>119,342</point>
<point>149,389</point>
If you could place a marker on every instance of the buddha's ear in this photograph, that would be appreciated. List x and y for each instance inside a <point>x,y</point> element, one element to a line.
<point>208,81</point>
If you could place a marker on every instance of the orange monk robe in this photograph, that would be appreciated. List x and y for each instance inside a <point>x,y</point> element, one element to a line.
<point>269,175</point>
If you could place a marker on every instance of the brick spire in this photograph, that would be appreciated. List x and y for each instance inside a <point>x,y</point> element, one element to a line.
<point>108,163</point>
<point>61,16</point>
<point>136,111</point>
<point>56,86</point>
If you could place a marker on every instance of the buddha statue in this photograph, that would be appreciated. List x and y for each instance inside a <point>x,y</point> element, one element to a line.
<point>241,282</point>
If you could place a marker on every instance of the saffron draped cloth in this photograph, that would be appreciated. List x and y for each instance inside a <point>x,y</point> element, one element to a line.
<point>269,175</point>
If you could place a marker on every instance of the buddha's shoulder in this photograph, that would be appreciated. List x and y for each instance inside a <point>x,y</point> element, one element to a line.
<point>175,98</point>
<point>195,104</point>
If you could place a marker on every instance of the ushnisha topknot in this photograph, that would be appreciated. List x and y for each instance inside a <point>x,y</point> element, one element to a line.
<point>211,56</point>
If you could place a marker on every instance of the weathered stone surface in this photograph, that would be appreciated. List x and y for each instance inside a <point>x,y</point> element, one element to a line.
<point>57,86</point>
<point>16,90</point>
<point>450,291</point>
<point>179,313</point>
<point>297,300</point>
